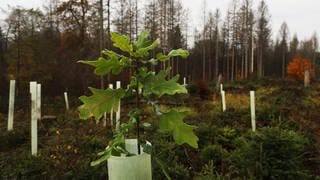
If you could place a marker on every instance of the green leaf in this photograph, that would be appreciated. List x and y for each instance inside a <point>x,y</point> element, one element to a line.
<point>158,85</point>
<point>142,40</point>
<point>105,155</point>
<point>144,51</point>
<point>143,44</point>
<point>103,66</point>
<point>178,52</point>
<point>122,42</point>
<point>100,102</point>
<point>172,122</point>
<point>113,65</point>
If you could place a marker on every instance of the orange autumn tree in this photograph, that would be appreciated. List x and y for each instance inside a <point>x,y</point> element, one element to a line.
<point>298,66</point>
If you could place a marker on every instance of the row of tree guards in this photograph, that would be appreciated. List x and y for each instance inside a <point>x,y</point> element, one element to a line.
<point>252,106</point>
<point>35,92</point>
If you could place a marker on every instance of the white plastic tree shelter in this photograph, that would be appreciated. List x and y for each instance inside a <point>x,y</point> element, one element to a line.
<point>223,98</point>
<point>306,78</point>
<point>39,101</point>
<point>11,104</point>
<point>35,91</point>
<point>221,87</point>
<point>253,111</point>
<point>118,85</point>
<point>131,167</point>
<point>184,81</point>
<point>111,112</point>
<point>66,100</point>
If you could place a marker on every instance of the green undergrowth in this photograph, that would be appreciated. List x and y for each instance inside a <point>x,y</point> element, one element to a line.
<point>285,145</point>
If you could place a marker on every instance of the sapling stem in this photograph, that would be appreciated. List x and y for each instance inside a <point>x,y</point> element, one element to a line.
<point>137,105</point>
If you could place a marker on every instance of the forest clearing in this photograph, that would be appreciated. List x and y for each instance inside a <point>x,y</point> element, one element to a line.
<point>121,90</point>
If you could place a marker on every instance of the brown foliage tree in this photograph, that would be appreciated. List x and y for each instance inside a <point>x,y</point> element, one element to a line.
<point>298,66</point>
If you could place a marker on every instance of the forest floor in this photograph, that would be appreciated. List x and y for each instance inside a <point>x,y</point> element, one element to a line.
<point>67,145</point>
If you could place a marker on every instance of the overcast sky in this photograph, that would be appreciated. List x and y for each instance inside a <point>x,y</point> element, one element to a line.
<point>302,16</point>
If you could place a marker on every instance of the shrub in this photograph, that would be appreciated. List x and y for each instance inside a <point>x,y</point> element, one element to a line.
<point>25,166</point>
<point>13,139</point>
<point>270,153</point>
<point>168,160</point>
<point>214,153</point>
<point>287,96</point>
<point>85,172</point>
<point>225,137</point>
<point>206,134</point>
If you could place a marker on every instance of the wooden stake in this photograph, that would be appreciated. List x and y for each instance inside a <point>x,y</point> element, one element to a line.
<point>253,111</point>
<point>11,104</point>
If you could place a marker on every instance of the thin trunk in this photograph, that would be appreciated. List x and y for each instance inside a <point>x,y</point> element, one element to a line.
<point>138,106</point>
<point>228,63</point>
<point>246,64</point>
<point>137,13</point>
<point>252,57</point>
<point>283,64</point>
<point>243,66</point>
<point>203,62</point>
<point>101,37</point>
<point>232,63</point>
<point>260,55</point>
<point>210,58</point>
<point>108,32</point>
<point>19,55</point>
<point>217,53</point>
<point>203,39</point>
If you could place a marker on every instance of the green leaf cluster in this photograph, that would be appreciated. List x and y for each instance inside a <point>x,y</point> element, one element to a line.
<point>136,57</point>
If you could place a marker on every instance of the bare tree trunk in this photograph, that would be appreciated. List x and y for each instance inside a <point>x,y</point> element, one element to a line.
<point>137,15</point>
<point>232,63</point>
<point>260,65</point>
<point>283,65</point>
<point>246,61</point>
<point>203,61</point>
<point>210,51</point>
<point>204,46</point>
<point>19,54</point>
<point>101,38</point>
<point>242,66</point>
<point>228,63</point>
<point>217,53</point>
<point>252,56</point>
<point>108,32</point>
